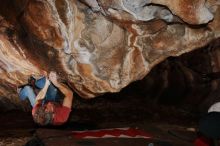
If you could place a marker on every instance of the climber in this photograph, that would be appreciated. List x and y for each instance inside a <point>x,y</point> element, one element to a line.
<point>47,106</point>
<point>209,127</point>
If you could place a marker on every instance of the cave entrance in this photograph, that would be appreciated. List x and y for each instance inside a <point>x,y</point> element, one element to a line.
<point>172,97</point>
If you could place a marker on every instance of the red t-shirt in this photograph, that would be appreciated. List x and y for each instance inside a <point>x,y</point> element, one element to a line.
<point>202,141</point>
<point>35,108</point>
<point>60,116</point>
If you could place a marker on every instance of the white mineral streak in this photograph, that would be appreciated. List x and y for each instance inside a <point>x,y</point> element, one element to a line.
<point>93,4</point>
<point>97,42</point>
<point>192,12</point>
<point>141,10</point>
<point>104,53</point>
<point>82,56</point>
<point>204,15</point>
<point>61,27</point>
<point>11,60</point>
<point>14,67</point>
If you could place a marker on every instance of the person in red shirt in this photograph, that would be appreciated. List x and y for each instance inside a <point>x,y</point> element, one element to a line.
<point>51,112</point>
<point>209,127</point>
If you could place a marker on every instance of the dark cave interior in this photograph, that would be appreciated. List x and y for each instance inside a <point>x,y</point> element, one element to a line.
<point>173,96</point>
<point>177,91</point>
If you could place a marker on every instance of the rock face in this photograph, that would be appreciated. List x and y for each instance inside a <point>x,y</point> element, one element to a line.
<point>99,46</point>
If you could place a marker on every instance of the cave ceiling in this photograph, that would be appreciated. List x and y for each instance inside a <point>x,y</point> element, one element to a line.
<point>98,46</point>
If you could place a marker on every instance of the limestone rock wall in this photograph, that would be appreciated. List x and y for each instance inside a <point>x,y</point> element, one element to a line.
<point>99,46</point>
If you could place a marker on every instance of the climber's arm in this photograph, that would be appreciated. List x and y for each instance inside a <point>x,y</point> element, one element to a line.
<point>41,95</point>
<point>68,94</point>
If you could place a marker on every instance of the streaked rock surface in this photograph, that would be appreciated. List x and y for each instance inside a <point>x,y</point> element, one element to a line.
<point>99,46</point>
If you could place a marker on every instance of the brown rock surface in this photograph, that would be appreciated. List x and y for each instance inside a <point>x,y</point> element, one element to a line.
<point>99,46</point>
<point>15,66</point>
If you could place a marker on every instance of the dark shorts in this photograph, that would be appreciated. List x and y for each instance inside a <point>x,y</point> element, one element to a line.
<point>209,125</point>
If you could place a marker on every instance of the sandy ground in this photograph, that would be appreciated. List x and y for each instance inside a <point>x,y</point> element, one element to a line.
<point>17,127</point>
<point>14,141</point>
<point>160,132</point>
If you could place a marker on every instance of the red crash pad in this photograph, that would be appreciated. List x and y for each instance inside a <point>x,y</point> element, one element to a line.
<point>112,133</point>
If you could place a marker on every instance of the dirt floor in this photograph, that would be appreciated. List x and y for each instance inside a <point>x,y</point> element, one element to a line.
<point>17,128</point>
<point>167,124</point>
<point>161,134</point>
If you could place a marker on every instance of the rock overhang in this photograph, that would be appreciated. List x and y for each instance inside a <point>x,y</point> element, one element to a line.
<point>101,46</point>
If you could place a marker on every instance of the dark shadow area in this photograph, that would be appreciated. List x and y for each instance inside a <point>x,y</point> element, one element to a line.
<point>175,94</point>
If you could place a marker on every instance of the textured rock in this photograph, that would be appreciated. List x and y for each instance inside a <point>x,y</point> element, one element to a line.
<point>15,66</point>
<point>102,46</point>
<point>192,12</point>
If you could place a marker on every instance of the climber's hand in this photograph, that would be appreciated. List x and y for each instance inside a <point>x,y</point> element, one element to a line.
<point>53,78</point>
